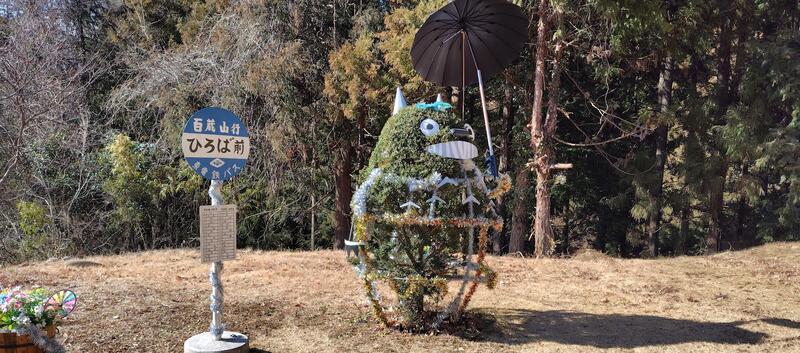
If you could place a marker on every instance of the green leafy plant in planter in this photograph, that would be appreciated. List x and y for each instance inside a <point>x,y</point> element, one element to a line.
<point>34,313</point>
<point>20,309</point>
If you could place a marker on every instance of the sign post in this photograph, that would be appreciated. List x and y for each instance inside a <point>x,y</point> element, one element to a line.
<point>216,145</point>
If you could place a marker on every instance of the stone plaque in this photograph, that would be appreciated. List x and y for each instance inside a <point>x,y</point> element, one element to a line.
<point>217,233</point>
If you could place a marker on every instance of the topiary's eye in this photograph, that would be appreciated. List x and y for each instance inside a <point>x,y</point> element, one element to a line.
<point>429,127</point>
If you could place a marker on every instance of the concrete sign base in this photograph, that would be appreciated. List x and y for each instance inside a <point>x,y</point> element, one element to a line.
<point>231,342</point>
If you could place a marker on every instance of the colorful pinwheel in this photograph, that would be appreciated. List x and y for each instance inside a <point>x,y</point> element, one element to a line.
<point>63,302</point>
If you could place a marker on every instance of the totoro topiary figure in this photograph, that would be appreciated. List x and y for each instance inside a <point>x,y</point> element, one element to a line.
<point>416,213</point>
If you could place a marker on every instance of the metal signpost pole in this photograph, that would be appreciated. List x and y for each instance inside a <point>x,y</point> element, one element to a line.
<point>216,144</point>
<point>217,293</point>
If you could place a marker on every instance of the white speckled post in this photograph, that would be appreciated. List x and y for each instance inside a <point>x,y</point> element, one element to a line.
<point>217,340</point>
<point>217,294</point>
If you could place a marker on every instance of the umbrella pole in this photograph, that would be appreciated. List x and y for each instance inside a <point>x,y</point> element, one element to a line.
<point>491,160</point>
<point>485,114</point>
<point>492,163</point>
<point>463,75</point>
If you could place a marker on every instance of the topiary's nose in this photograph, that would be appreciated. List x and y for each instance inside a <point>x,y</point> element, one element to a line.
<point>466,131</point>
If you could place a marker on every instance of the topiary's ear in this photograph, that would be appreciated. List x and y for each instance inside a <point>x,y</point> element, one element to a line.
<point>399,101</point>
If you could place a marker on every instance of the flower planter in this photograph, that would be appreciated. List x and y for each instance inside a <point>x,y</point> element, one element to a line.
<point>13,343</point>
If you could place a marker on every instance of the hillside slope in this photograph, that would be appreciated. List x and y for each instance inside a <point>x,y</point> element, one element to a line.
<point>745,301</point>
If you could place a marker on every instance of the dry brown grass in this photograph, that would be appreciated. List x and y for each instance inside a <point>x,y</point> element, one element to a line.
<point>746,301</point>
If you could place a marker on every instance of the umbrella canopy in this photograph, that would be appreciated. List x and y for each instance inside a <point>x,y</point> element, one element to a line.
<point>469,35</point>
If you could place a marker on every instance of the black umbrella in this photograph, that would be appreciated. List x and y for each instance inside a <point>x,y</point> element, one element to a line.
<point>467,39</point>
<point>495,32</point>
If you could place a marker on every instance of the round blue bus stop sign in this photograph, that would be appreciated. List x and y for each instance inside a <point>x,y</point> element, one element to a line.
<point>215,143</point>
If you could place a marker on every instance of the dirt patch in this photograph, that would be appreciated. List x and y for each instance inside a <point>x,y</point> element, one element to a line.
<point>590,255</point>
<point>82,263</point>
<point>746,301</point>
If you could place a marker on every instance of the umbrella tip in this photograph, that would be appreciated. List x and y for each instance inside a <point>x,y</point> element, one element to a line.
<point>399,101</point>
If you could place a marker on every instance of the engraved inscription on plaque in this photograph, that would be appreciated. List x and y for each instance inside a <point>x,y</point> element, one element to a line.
<point>217,233</point>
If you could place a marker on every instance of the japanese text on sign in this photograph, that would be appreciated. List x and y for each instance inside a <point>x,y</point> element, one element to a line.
<point>217,233</point>
<point>222,147</point>
<point>215,143</point>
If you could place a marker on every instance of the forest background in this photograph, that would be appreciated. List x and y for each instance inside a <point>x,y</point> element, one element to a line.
<point>681,119</point>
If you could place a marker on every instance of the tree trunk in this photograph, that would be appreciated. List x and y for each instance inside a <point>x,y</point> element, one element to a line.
<point>716,203</point>
<point>313,221</point>
<point>542,130</point>
<point>543,233</point>
<point>519,228</point>
<point>497,241</point>
<point>508,127</point>
<point>565,233</point>
<point>541,160</point>
<point>471,111</point>
<point>505,156</point>
<point>742,212</point>
<point>683,233</point>
<point>344,192</point>
<point>722,100</point>
<point>456,100</point>
<point>660,156</point>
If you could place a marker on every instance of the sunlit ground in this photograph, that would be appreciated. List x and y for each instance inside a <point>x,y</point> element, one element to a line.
<point>745,301</point>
